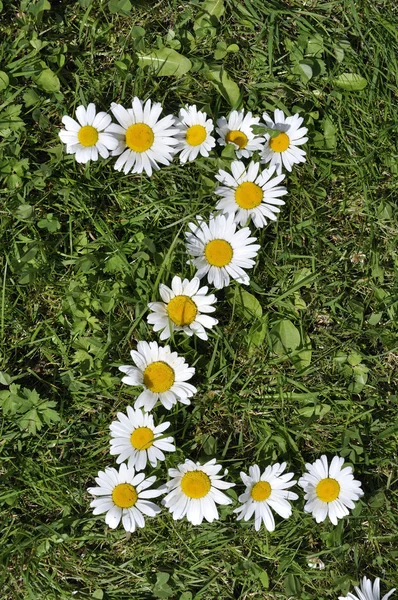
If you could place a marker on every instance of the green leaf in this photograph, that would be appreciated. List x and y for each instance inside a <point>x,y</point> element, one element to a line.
<point>302,359</point>
<point>4,80</point>
<point>161,588</point>
<point>220,51</point>
<point>210,13</point>
<point>263,577</point>
<point>354,358</point>
<point>9,118</point>
<point>119,7</point>
<point>225,85</point>
<point>329,133</point>
<point>304,70</point>
<point>38,7</point>
<point>285,337</point>
<point>165,62</point>
<point>98,594</point>
<point>209,443</point>
<point>30,421</point>
<point>50,223</point>
<point>256,336</point>
<point>24,212</point>
<point>292,585</point>
<point>5,378</point>
<point>137,33</point>
<point>247,307</point>
<point>30,98</point>
<point>315,45</point>
<point>378,500</point>
<point>229,152</point>
<point>375,318</point>
<point>48,81</point>
<point>351,82</point>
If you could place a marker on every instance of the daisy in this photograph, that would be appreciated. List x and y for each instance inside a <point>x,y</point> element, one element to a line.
<point>135,437</point>
<point>249,195</point>
<point>365,592</point>
<point>193,133</point>
<point>194,491</point>
<point>238,131</point>
<point>284,147</point>
<point>182,308</point>
<point>162,374</point>
<point>266,491</point>
<point>89,135</point>
<point>124,495</point>
<point>143,140</point>
<point>220,251</point>
<point>329,490</point>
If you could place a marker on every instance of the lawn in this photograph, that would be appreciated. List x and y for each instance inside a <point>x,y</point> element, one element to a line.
<point>304,363</point>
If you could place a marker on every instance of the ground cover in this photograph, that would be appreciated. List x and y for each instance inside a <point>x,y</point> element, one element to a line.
<point>84,248</point>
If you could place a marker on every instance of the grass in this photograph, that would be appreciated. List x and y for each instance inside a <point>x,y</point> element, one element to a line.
<point>83,250</point>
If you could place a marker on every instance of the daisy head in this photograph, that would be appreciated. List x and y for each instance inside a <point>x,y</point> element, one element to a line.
<point>194,491</point>
<point>283,147</point>
<point>221,252</point>
<point>135,438</point>
<point>329,490</point>
<point>250,194</point>
<point>193,135</point>
<point>184,308</point>
<point>162,373</point>
<point>123,495</point>
<point>367,592</point>
<point>143,140</point>
<point>237,130</point>
<point>89,135</point>
<point>265,491</point>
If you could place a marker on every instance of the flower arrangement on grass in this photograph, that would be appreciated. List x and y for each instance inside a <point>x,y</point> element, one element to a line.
<point>222,252</point>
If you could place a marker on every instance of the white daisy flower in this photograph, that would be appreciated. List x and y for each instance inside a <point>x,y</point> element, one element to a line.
<point>194,491</point>
<point>329,490</point>
<point>237,130</point>
<point>366,592</point>
<point>135,438</point>
<point>284,147</point>
<point>89,135</point>
<point>163,375</point>
<point>193,135</point>
<point>266,491</point>
<point>221,252</point>
<point>315,563</point>
<point>143,140</point>
<point>124,495</point>
<point>249,195</point>
<point>182,309</point>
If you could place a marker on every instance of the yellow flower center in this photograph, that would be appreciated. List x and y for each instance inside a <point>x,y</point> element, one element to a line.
<point>218,253</point>
<point>142,438</point>
<point>182,310</point>
<point>328,489</point>
<point>261,491</point>
<point>195,484</point>
<point>248,195</point>
<point>87,136</point>
<point>139,137</point>
<point>196,135</point>
<point>280,143</point>
<point>237,137</point>
<point>158,377</point>
<point>124,495</point>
